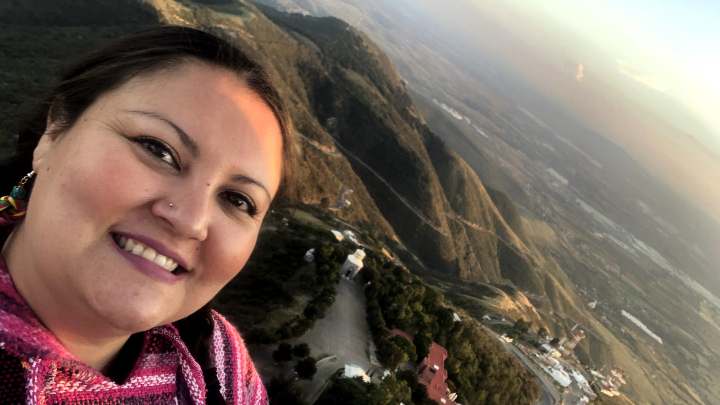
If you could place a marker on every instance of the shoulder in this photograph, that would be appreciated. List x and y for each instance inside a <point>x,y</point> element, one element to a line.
<point>239,381</point>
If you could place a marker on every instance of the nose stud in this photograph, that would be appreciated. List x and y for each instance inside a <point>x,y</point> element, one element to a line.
<point>171,205</point>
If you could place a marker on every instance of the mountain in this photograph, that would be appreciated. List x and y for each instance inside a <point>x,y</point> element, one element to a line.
<point>356,122</point>
<point>613,234</point>
<point>456,210</point>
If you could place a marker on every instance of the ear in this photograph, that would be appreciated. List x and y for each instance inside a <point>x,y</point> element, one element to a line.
<point>50,137</point>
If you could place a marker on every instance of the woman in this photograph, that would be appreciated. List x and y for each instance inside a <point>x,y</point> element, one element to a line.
<point>152,164</point>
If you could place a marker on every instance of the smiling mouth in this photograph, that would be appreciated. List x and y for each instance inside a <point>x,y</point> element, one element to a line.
<point>138,249</point>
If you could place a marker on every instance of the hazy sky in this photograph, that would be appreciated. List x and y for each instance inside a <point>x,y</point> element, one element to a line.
<point>642,73</point>
<point>674,45</point>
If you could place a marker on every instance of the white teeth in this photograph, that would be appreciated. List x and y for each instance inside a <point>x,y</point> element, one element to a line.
<point>147,253</point>
<point>169,265</point>
<point>160,260</point>
<point>138,249</point>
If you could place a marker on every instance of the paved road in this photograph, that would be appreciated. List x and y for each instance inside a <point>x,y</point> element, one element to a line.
<point>550,396</point>
<point>545,398</point>
<point>342,333</point>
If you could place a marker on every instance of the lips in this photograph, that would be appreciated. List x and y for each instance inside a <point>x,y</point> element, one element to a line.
<point>147,253</point>
<point>149,259</point>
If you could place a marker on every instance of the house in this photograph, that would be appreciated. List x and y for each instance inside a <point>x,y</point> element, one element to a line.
<point>431,372</point>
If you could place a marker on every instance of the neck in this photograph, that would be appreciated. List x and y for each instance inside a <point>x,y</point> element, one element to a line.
<point>97,353</point>
<point>84,335</point>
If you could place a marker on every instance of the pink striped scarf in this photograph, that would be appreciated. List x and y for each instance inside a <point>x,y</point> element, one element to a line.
<point>36,369</point>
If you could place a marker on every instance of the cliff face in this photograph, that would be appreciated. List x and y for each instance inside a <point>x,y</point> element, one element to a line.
<point>431,198</point>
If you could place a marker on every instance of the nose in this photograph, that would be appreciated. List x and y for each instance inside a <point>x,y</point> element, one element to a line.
<point>187,209</point>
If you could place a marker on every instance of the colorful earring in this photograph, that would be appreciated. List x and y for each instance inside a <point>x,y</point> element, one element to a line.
<point>13,206</point>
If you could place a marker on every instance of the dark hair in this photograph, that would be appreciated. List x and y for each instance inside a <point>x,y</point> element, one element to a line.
<point>110,67</point>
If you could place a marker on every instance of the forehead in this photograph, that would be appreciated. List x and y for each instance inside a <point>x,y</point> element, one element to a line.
<point>232,126</point>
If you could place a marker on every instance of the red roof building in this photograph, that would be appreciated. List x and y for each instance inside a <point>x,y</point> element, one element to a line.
<point>431,372</point>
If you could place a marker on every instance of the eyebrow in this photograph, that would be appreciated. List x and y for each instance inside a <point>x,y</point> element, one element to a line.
<point>240,178</point>
<point>186,140</point>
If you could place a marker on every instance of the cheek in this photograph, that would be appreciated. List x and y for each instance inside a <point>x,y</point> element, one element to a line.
<point>105,186</point>
<point>225,253</point>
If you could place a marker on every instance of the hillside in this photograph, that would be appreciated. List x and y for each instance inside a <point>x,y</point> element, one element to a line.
<point>409,172</point>
<point>358,126</point>
<point>356,120</point>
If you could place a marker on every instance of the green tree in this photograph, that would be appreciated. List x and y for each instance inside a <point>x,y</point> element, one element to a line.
<point>407,346</point>
<point>422,346</point>
<point>345,391</point>
<point>339,254</point>
<point>419,392</point>
<point>286,392</point>
<point>390,355</point>
<point>327,273</point>
<point>306,368</point>
<point>301,350</point>
<point>391,391</point>
<point>432,300</point>
<point>445,318</point>
<point>402,275</point>
<point>283,353</point>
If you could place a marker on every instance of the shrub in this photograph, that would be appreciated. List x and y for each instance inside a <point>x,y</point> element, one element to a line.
<point>306,368</point>
<point>283,353</point>
<point>285,392</point>
<point>390,354</point>
<point>301,350</point>
<point>407,347</point>
<point>422,345</point>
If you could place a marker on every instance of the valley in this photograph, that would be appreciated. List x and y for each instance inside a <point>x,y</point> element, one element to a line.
<point>490,193</point>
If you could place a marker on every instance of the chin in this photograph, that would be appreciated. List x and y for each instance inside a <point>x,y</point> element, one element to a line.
<point>134,317</point>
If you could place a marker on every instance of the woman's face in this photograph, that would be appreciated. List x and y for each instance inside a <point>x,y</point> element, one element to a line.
<point>184,163</point>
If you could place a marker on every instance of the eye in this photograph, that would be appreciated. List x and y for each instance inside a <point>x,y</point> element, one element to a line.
<point>240,201</point>
<point>158,149</point>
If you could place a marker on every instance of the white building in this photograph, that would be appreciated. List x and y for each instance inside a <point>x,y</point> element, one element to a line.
<point>353,264</point>
<point>310,255</point>
<point>360,254</point>
<point>352,371</point>
<point>579,377</point>
<point>351,236</point>
<point>559,375</point>
<point>339,236</point>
